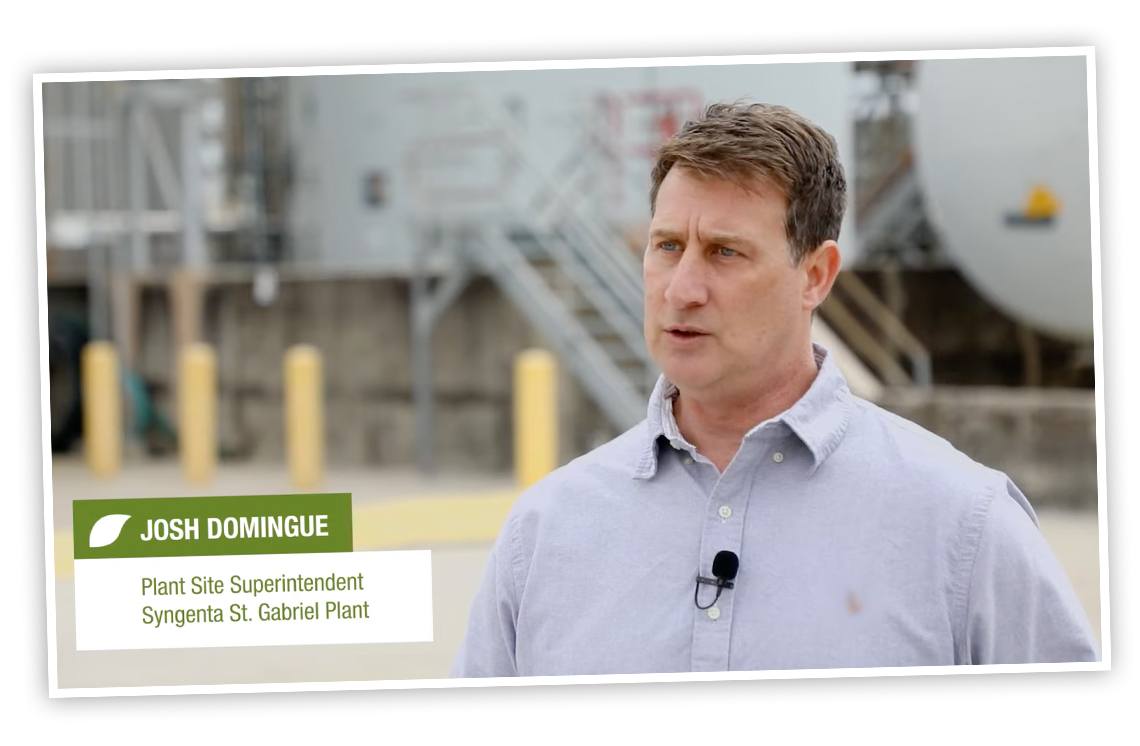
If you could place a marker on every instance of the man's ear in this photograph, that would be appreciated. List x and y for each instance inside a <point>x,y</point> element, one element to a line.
<point>821,267</point>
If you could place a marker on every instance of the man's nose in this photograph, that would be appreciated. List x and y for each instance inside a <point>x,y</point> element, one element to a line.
<point>688,285</point>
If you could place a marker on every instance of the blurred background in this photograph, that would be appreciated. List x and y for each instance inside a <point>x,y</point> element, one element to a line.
<point>424,289</point>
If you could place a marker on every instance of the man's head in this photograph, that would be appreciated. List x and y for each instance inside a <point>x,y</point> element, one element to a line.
<point>747,203</point>
<point>747,143</point>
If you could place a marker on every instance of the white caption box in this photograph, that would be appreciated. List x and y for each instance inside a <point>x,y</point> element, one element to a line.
<point>123,604</point>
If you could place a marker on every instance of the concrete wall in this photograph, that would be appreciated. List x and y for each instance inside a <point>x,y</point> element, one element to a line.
<point>362,327</point>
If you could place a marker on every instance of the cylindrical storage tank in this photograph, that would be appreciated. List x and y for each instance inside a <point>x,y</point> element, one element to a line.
<point>1002,153</point>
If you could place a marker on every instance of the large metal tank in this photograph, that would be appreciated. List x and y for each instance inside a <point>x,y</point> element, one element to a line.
<point>1002,152</point>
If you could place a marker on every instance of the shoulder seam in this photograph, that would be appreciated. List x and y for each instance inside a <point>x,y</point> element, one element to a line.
<point>900,422</point>
<point>978,521</point>
<point>515,558</point>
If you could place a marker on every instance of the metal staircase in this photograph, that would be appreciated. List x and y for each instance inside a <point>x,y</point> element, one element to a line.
<point>560,264</point>
<point>583,296</point>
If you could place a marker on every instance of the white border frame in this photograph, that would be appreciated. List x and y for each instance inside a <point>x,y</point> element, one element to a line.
<point>38,80</point>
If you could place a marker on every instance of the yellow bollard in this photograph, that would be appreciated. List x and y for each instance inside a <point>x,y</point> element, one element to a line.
<point>198,411</point>
<point>304,415</point>
<point>536,416</point>
<point>102,408</point>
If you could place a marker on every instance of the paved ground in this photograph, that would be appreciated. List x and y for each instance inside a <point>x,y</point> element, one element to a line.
<point>456,569</point>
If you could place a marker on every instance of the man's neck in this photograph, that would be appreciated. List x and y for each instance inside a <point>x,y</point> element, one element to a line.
<point>716,425</point>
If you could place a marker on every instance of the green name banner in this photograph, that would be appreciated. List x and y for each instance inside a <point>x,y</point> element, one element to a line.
<point>188,526</point>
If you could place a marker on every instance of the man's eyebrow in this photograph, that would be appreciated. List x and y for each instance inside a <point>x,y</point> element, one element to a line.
<point>718,238</point>
<point>727,238</point>
<point>664,232</point>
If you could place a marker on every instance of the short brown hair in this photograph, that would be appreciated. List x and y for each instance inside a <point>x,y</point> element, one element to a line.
<point>745,142</point>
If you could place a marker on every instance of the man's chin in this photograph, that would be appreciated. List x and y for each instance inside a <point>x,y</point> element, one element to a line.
<point>688,377</point>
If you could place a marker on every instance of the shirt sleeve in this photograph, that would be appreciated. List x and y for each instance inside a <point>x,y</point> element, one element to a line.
<point>1021,607</point>
<point>488,647</point>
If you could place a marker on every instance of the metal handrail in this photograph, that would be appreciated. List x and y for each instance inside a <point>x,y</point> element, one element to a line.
<point>613,270</point>
<point>621,402</point>
<point>584,276</point>
<point>888,325</point>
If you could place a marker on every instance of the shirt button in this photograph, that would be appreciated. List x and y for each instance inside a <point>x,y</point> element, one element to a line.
<point>777,457</point>
<point>725,512</point>
<point>688,459</point>
<point>713,612</point>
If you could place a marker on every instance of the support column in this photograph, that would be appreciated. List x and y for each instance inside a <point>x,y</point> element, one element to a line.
<point>422,389</point>
<point>186,304</point>
<point>427,306</point>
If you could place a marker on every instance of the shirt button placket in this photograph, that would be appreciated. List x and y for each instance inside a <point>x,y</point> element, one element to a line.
<point>723,531</point>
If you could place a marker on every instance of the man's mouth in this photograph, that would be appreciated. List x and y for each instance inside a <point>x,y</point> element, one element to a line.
<point>682,331</point>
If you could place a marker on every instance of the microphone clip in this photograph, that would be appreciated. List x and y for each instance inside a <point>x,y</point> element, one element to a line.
<point>724,567</point>
<point>720,584</point>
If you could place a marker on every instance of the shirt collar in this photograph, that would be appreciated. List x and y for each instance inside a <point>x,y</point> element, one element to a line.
<point>819,418</point>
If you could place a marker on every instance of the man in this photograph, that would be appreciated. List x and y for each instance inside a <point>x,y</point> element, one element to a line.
<point>860,538</point>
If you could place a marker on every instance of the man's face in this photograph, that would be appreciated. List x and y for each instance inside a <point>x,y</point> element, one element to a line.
<point>724,305</point>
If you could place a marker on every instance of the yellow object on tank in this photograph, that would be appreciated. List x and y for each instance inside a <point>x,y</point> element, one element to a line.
<point>304,415</point>
<point>1041,204</point>
<point>535,415</point>
<point>102,409</point>
<point>198,411</point>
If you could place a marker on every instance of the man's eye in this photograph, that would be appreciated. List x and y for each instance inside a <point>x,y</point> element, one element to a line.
<point>668,246</point>
<point>725,251</point>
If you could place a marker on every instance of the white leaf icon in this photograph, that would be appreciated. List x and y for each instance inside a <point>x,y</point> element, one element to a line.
<point>106,530</point>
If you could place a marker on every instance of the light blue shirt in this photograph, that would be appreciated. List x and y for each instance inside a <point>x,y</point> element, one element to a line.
<point>863,540</point>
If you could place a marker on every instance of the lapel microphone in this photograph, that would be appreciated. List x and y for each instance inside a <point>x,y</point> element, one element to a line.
<point>724,567</point>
